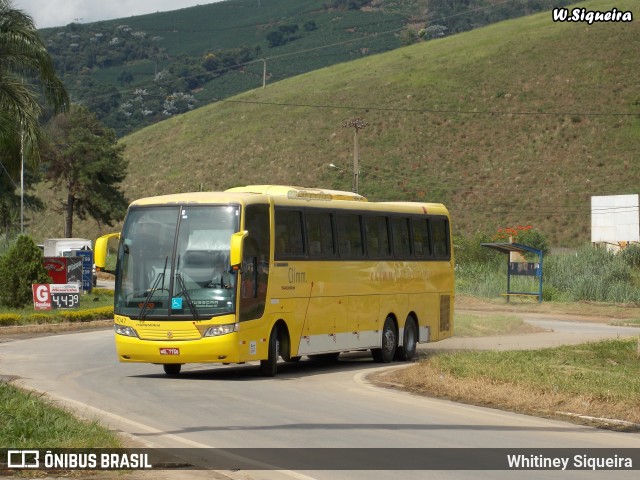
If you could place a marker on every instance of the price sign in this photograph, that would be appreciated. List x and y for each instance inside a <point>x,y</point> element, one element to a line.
<point>65,296</point>
<point>65,300</point>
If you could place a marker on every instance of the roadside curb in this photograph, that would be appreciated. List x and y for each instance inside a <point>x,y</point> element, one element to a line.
<point>26,331</point>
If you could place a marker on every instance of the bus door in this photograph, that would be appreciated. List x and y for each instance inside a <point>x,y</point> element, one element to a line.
<point>254,278</point>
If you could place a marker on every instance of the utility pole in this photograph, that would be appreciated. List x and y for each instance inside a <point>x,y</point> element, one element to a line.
<point>357,124</point>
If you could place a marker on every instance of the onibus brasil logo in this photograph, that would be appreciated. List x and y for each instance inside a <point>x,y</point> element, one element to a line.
<point>35,459</point>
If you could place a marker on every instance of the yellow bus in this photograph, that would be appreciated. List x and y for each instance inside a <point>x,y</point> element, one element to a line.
<point>261,272</point>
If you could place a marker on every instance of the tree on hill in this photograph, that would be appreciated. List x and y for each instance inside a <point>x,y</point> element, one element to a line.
<point>84,160</point>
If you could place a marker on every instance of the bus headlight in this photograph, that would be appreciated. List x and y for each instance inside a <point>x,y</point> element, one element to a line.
<point>218,330</point>
<point>126,331</point>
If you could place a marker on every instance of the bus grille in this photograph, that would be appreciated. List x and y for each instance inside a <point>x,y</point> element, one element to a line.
<point>445,312</point>
<point>152,334</point>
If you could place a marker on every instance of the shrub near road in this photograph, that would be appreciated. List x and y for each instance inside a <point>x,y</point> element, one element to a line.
<point>20,267</point>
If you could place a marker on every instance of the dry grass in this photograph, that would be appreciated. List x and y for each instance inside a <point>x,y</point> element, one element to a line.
<point>424,379</point>
<point>594,380</point>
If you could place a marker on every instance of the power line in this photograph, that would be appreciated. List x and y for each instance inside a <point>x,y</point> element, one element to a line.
<point>429,110</point>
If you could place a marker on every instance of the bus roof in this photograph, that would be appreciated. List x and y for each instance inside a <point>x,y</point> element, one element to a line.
<point>299,193</point>
<point>288,195</point>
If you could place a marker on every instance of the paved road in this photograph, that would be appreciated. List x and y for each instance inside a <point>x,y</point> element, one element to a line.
<point>556,333</point>
<point>307,405</point>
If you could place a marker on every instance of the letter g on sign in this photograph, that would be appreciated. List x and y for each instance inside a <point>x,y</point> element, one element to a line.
<point>42,293</point>
<point>41,296</point>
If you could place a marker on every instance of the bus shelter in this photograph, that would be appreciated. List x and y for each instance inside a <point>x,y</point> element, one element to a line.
<point>529,269</point>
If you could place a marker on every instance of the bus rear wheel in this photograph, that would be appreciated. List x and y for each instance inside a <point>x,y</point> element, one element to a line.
<point>387,350</point>
<point>172,368</point>
<point>269,367</point>
<point>409,341</point>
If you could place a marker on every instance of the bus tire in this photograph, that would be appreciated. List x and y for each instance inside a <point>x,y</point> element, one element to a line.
<point>172,368</point>
<point>407,351</point>
<point>269,367</point>
<point>387,350</point>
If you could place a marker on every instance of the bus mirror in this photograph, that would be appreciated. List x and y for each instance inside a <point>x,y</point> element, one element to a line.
<point>100,250</point>
<point>235,254</point>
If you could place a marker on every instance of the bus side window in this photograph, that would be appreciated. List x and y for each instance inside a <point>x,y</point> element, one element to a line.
<point>421,243</point>
<point>320,234</point>
<point>289,240</point>
<point>377,230</point>
<point>439,229</point>
<point>349,231</point>
<point>401,239</point>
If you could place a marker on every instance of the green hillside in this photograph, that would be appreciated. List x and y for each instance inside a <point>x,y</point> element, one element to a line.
<point>130,71</point>
<point>139,70</point>
<point>513,124</point>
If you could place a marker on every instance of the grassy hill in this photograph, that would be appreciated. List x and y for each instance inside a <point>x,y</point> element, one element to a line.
<point>212,51</point>
<point>512,124</point>
<point>139,70</point>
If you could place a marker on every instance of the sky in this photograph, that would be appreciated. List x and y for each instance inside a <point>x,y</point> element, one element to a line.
<point>57,13</point>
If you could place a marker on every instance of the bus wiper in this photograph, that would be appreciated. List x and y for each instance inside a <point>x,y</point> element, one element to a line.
<point>185,292</point>
<point>154,287</point>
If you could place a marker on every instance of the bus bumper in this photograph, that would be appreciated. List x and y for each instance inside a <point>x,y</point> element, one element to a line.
<point>223,349</point>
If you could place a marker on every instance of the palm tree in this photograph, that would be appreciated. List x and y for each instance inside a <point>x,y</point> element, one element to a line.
<point>24,58</point>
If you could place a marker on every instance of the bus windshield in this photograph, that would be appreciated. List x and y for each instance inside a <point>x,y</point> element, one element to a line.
<point>173,262</point>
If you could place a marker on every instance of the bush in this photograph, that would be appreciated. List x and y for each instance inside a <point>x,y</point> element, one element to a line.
<point>592,274</point>
<point>41,318</point>
<point>7,319</point>
<point>469,250</point>
<point>631,255</point>
<point>100,313</point>
<point>20,267</point>
<point>533,238</point>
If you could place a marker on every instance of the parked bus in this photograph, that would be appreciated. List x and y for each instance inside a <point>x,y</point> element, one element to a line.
<point>261,272</point>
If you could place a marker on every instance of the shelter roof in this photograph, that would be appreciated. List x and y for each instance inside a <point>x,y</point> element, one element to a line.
<point>506,247</point>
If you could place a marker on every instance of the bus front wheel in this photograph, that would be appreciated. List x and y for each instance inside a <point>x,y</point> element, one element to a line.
<point>387,350</point>
<point>269,367</point>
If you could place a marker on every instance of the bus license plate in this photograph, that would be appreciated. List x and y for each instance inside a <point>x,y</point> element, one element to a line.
<point>169,351</point>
